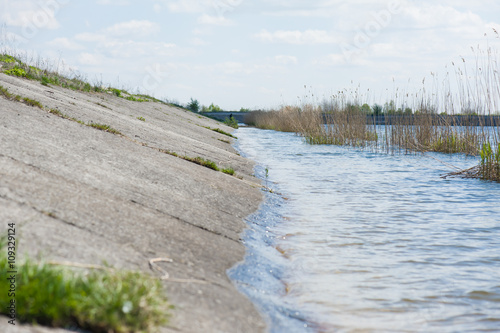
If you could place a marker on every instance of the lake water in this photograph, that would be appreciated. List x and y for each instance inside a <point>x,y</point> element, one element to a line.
<point>359,241</point>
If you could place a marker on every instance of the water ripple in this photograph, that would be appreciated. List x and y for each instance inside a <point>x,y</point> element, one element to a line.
<point>370,242</point>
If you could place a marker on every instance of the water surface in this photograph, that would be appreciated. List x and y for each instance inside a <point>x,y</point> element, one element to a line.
<point>359,241</point>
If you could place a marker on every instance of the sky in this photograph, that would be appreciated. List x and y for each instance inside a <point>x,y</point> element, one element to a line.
<point>252,54</point>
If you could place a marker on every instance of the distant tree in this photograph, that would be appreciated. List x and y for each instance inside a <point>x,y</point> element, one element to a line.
<point>377,110</point>
<point>194,105</point>
<point>365,108</point>
<point>408,111</point>
<point>390,107</point>
<point>214,108</point>
<point>244,110</point>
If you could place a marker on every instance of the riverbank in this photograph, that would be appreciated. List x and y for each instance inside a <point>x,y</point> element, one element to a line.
<point>82,195</point>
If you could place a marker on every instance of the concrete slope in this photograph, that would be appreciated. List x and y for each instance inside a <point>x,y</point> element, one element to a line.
<point>87,196</point>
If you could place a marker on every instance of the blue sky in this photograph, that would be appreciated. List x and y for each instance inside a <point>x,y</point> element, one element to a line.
<point>253,54</point>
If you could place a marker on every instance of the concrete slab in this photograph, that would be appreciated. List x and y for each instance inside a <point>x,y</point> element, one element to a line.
<point>83,195</point>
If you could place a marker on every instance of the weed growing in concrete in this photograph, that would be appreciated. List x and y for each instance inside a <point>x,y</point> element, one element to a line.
<point>206,163</point>
<point>229,171</point>
<point>104,127</point>
<point>99,301</point>
<point>203,162</point>
<point>104,106</point>
<point>218,130</point>
<point>5,93</point>
<point>31,102</point>
<point>141,118</point>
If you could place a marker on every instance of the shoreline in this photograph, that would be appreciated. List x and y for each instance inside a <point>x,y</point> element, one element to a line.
<point>83,195</point>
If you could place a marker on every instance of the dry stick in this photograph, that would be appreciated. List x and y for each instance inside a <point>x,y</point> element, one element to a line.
<point>166,276</point>
<point>467,173</point>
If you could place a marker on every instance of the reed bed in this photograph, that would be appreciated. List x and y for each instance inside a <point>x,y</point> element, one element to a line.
<point>446,120</point>
<point>305,119</point>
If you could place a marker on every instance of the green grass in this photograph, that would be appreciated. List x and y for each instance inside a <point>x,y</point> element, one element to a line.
<point>16,71</point>
<point>141,118</point>
<point>32,102</point>
<point>489,168</point>
<point>5,58</point>
<point>5,93</point>
<point>134,99</point>
<point>104,106</point>
<point>229,171</point>
<point>218,130</point>
<point>28,101</point>
<point>116,92</point>
<point>15,67</point>
<point>45,81</point>
<point>99,301</point>
<point>203,162</point>
<point>104,127</point>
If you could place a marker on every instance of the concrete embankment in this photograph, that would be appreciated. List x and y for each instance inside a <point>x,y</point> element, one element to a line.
<point>81,195</point>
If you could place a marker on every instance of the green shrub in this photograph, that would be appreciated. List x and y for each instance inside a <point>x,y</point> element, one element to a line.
<point>194,105</point>
<point>232,122</point>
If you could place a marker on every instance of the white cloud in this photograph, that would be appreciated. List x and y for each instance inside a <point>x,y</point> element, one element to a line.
<point>65,43</point>
<point>188,6</point>
<point>114,2</point>
<point>90,37</point>
<point>335,59</point>
<point>286,60</point>
<point>425,17</point>
<point>30,15</point>
<point>91,59</point>
<point>157,8</point>
<point>133,29</point>
<point>132,49</point>
<point>199,42</point>
<point>214,20</point>
<point>297,37</point>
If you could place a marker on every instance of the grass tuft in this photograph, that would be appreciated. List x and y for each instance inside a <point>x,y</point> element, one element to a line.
<point>99,301</point>
<point>103,127</point>
<point>229,171</point>
<point>32,102</point>
<point>218,130</point>
<point>203,162</point>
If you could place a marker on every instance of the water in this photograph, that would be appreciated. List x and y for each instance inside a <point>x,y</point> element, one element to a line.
<point>358,241</point>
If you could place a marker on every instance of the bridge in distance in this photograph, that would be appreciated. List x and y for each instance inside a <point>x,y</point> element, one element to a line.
<point>472,120</point>
<point>221,116</point>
